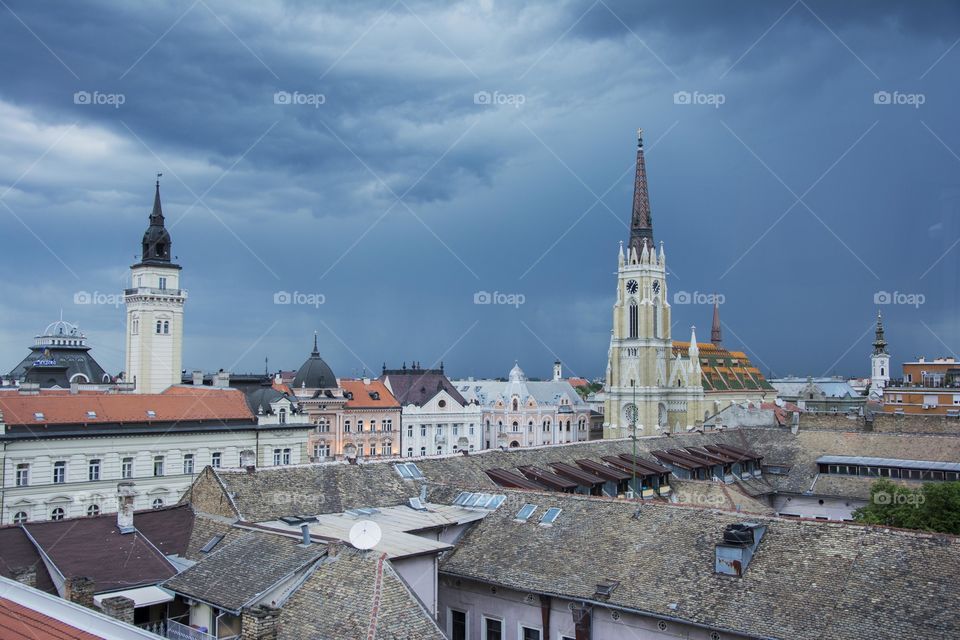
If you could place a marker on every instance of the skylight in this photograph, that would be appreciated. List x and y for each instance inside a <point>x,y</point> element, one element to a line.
<point>477,500</point>
<point>463,497</point>
<point>524,514</point>
<point>417,504</point>
<point>214,541</point>
<point>495,502</point>
<point>38,415</point>
<point>151,413</point>
<point>409,471</point>
<point>550,515</point>
<point>91,414</point>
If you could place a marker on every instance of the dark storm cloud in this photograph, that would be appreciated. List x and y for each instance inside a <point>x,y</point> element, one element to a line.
<point>495,197</point>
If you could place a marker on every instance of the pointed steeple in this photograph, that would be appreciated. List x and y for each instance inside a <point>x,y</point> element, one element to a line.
<point>156,243</point>
<point>879,344</point>
<point>316,351</point>
<point>715,336</point>
<point>641,222</point>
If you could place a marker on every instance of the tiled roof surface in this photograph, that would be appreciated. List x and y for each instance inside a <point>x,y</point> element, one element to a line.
<point>205,528</point>
<point>18,553</point>
<point>725,370</point>
<point>337,602</point>
<point>808,580</point>
<point>419,386</point>
<point>18,622</point>
<point>714,495</point>
<point>249,565</point>
<point>178,404</point>
<point>361,395</point>
<point>94,548</point>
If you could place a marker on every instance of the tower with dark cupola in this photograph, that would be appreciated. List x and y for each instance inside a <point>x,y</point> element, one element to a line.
<point>649,389</point>
<point>154,304</point>
<point>879,362</point>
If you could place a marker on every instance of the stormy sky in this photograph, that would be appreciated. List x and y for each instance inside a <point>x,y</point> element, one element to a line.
<point>394,159</point>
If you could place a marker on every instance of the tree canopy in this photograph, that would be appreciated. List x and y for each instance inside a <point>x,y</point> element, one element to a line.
<point>933,507</point>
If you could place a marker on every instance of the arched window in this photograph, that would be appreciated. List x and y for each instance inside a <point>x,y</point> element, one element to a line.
<point>166,326</point>
<point>409,452</point>
<point>93,510</point>
<point>516,426</point>
<point>20,517</point>
<point>530,426</point>
<point>57,514</point>
<point>157,503</point>
<point>634,329</point>
<point>159,327</point>
<point>515,404</point>
<point>656,318</point>
<point>423,451</point>
<point>282,416</point>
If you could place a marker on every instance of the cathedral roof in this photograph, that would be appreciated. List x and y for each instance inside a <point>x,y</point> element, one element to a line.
<point>725,370</point>
<point>315,373</point>
<point>641,220</point>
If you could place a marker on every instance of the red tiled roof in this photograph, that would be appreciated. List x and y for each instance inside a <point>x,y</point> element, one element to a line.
<point>18,621</point>
<point>578,382</point>
<point>361,395</point>
<point>178,403</point>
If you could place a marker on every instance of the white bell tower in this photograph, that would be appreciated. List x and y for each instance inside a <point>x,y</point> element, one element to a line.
<point>879,363</point>
<point>154,305</point>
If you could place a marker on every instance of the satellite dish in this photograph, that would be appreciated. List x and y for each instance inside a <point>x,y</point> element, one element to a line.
<point>365,534</point>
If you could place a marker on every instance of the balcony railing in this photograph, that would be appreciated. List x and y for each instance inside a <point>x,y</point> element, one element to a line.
<point>179,631</point>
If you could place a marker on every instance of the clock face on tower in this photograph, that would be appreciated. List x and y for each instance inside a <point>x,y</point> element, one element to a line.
<point>632,286</point>
<point>656,286</point>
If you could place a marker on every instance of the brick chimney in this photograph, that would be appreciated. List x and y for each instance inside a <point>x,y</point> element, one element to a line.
<point>259,623</point>
<point>126,494</point>
<point>118,607</point>
<point>79,590</point>
<point>197,378</point>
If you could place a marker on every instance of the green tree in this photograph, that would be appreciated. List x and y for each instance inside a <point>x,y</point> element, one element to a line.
<point>933,507</point>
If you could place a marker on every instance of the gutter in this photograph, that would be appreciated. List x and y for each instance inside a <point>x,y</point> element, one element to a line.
<point>598,603</point>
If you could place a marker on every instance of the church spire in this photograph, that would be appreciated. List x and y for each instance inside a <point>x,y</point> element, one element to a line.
<point>156,217</point>
<point>879,344</point>
<point>156,239</point>
<point>641,222</point>
<point>715,336</point>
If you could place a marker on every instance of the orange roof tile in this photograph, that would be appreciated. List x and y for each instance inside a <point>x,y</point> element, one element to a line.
<point>175,404</point>
<point>18,621</point>
<point>361,395</point>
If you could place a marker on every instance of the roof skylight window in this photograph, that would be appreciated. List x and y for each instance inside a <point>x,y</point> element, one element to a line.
<point>524,514</point>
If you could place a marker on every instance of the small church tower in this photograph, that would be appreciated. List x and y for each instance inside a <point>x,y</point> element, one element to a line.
<point>154,305</point>
<point>879,362</point>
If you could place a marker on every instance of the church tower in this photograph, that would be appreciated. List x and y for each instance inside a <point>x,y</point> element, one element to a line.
<point>154,305</point>
<point>649,387</point>
<point>879,363</point>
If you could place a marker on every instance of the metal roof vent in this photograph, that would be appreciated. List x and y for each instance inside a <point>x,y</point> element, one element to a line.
<point>606,589</point>
<point>740,542</point>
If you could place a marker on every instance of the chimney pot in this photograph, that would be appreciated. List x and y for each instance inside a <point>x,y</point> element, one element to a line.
<point>305,533</point>
<point>126,495</point>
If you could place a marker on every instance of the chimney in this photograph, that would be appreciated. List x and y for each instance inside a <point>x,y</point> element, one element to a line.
<point>222,379</point>
<point>198,378</point>
<point>259,623</point>
<point>126,494</point>
<point>79,590</point>
<point>734,553</point>
<point>305,533</point>
<point>25,575</point>
<point>118,607</point>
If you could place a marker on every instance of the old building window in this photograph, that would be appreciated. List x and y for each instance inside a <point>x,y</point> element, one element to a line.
<point>633,319</point>
<point>57,514</point>
<point>346,426</point>
<point>23,474</point>
<point>126,468</point>
<point>458,625</point>
<point>93,470</point>
<point>409,452</point>
<point>277,457</point>
<point>282,416</point>
<point>93,510</point>
<point>516,405</point>
<point>158,466</point>
<point>159,326</point>
<point>359,426</point>
<point>286,456</point>
<point>166,327</point>
<point>59,472</point>
<point>157,503</point>
<point>188,464</point>
<point>423,451</point>
<point>410,431</point>
<point>388,425</point>
<point>321,450</point>
<point>20,517</point>
<point>423,431</point>
<point>492,629</point>
<point>216,459</point>
<point>163,282</point>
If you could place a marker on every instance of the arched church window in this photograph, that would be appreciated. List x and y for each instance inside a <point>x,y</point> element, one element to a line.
<point>159,327</point>
<point>656,318</point>
<point>166,326</point>
<point>515,404</point>
<point>634,328</point>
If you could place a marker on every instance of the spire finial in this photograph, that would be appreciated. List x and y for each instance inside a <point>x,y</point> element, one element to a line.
<point>159,175</point>
<point>316,351</point>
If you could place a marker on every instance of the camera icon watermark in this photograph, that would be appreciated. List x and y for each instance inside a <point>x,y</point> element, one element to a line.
<point>516,100</point>
<point>899,98</point>
<point>696,297</point>
<point>698,98</point>
<point>898,297</point>
<point>297,98</point>
<point>299,298</point>
<point>499,298</point>
<point>101,99</point>
<point>913,499</point>
<point>95,297</point>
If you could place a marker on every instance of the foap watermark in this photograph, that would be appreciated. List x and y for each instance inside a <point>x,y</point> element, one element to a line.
<point>298,98</point>
<point>899,98</point>
<point>686,297</point>
<point>913,499</point>
<point>516,100</point>
<point>299,298</point>
<point>95,297</point>
<point>97,98</point>
<point>498,297</point>
<point>698,98</point>
<point>899,297</point>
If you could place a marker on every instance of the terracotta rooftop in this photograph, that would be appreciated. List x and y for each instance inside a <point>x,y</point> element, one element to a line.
<point>20,622</point>
<point>177,404</point>
<point>372,395</point>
